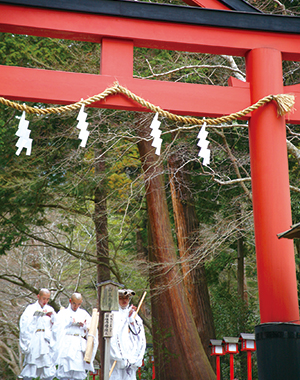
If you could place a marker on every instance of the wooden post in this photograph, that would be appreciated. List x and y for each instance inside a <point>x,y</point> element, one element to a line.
<point>249,366</point>
<point>276,272</point>
<point>231,367</point>
<point>218,367</point>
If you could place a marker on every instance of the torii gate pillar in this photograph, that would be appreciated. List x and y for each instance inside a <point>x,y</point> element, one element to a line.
<point>276,272</point>
<point>270,187</point>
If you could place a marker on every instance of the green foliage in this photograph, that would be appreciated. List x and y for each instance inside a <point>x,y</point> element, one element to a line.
<point>48,53</point>
<point>146,371</point>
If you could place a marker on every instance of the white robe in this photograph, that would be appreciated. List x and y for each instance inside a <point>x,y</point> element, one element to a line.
<point>127,345</point>
<point>35,342</point>
<point>71,344</point>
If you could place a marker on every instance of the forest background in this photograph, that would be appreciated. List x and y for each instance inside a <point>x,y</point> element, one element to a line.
<point>72,217</point>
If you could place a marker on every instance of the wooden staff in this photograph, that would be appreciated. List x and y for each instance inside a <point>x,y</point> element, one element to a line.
<point>135,314</point>
<point>140,304</point>
<point>112,368</point>
<point>92,333</point>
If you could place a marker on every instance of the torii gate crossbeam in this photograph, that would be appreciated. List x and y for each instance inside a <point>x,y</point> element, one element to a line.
<point>118,37</point>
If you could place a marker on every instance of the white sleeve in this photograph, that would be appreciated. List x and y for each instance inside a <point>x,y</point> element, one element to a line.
<point>27,328</point>
<point>139,339</point>
<point>61,320</point>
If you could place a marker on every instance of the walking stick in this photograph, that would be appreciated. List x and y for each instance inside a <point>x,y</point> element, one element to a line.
<point>140,304</point>
<point>135,314</point>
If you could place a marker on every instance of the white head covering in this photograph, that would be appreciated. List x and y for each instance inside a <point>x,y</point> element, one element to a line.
<point>126,292</point>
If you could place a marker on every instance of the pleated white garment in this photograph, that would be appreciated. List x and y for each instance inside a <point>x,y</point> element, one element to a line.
<point>128,345</point>
<point>71,340</point>
<point>36,341</point>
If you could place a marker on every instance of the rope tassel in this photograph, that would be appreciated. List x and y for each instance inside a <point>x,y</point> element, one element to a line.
<point>285,103</point>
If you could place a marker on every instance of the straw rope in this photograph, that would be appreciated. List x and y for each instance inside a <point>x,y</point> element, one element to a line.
<point>284,102</point>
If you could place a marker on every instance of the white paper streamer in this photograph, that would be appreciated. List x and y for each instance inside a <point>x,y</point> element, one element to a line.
<point>23,133</point>
<point>82,125</point>
<point>203,144</point>
<point>156,132</point>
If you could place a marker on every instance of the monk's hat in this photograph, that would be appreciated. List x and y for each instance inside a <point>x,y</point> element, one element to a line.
<point>126,292</point>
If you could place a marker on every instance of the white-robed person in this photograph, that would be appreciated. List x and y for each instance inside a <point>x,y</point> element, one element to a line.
<point>35,338</point>
<point>128,342</point>
<point>71,333</point>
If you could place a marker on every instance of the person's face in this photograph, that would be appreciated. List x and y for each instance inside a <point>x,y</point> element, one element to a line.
<point>43,299</point>
<point>75,304</point>
<point>124,301</point>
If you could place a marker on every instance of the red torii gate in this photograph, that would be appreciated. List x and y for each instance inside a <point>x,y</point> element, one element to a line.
<point>264,40</point>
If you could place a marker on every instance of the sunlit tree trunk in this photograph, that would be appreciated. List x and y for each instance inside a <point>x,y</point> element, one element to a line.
<point>187,358</point>
<point>241,293</point>
<point>162,334</point>
<point>240,268</point>
<point>100,220</point>
<point>186,223</point>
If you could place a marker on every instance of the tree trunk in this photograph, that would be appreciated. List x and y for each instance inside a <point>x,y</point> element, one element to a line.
<point>187,359</point>
<point>186,223</point>
<point>100,220</point>
<point>141,252</point>
<point>240,270</point>
<point>241,293</point>
<point>162,334</point>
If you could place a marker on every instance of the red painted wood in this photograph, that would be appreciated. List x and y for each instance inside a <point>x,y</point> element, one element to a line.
<point>143,33</point>
<point>249,366</point>
<point>232,81</point>
<point>211,4</point>
<point>294,115</point>
<point>271,198</point>
<point>57,87</point>
<point>218,367</point>
<point>231,360</point>
<point>116,57</point>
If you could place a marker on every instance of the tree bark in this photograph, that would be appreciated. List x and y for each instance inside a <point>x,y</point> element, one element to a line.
<point>187,359</point>
<point>186,223</point>
<point>240,268</point>
<point>162,333</point>
<point>241,293</point>
<point>100,220</point>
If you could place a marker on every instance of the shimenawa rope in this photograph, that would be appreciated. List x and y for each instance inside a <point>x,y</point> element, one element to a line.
<point>284,102</point>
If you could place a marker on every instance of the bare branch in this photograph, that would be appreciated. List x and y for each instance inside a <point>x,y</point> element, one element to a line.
<point>189,67</point>
<point>237,72</point>
<point>293,150</point>
<point>234,162</point>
